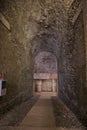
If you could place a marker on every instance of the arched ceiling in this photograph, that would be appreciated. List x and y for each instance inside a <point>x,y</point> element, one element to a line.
<point>41,23</point>
<point>44,44</point>
<point>45,62</point>
<point>51,24</point>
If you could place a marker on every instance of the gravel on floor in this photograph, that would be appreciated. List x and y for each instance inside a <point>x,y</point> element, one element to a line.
<point>63,116</point>
<point>17,114</point>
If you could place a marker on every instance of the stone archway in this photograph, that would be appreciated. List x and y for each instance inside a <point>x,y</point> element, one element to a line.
<point>45,72</point>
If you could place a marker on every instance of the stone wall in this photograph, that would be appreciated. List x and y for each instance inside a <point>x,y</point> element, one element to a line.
<point>53,26</point>
<point>16,61</point>
<point>34,26</point>
<point>45,62</point>
<point>72,77</point>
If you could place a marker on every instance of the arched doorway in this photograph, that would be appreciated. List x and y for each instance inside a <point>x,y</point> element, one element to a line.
<point>45,72</point>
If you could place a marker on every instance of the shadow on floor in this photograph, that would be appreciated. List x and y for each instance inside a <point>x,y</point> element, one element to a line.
<point>17,114</point>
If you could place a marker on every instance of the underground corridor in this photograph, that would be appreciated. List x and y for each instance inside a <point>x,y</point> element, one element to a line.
<point>45,73</point>
<point>43,64</point>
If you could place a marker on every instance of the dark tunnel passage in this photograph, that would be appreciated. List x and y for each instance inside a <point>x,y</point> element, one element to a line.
<point>45,73</point>
<point>40,39</point>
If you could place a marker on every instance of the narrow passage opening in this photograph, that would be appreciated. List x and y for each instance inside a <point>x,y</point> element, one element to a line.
<point>45,73</point>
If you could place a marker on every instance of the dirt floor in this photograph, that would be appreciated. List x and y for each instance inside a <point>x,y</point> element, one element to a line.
<point>64,118</point>
<point>17,114</point>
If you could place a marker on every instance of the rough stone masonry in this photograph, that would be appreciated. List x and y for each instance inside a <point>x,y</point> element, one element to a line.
<point>55,26</point>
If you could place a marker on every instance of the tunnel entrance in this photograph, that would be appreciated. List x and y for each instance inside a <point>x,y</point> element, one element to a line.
<point>46,86</point>
<point>45,73</point>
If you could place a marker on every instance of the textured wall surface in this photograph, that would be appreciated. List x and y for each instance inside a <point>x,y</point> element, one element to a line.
<point>54,26</point>
<point>72,77</point>
<point>85,29</point>
<point>45,62</point>
<point>15,59</point>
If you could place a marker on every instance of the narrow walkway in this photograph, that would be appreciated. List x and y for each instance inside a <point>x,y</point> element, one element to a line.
<point>40,117</point>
